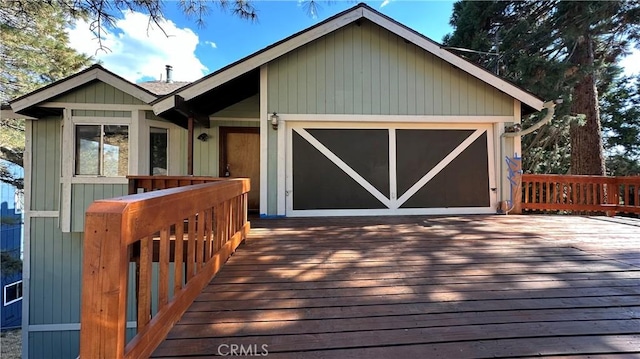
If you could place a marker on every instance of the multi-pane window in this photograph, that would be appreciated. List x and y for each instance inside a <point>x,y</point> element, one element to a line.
<point>158,150</point>
<point>12,292</point>
<point>102,150</point>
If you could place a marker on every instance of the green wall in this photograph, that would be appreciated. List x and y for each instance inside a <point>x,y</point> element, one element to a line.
<point>366,69</point>
<point>98,92</point>
<point>83,194</point>
<point>45,182</point>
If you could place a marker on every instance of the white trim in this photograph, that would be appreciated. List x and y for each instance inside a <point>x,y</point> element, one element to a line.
<point>281,169</point>
<point>312,34</point>
<point>453,119</point>
<point>214,119</point>
<point>43,214</point>
<point>65,327</point>
<point>264,138</point>
<point>389,211</point>
<point>95,106</point>
<point>94,120</point>
<point>4,291</point>
<point>258,60</point>
<point>393,175</point>
<point>67,171</point>
<point>135,128</point>
<point>126,87</point>
<point>9,114</point>
<point>392,203</point>
<point>343,166</point>
<point>98,180</point>
<point>79,80</point>
<point>26,236</point>
<point>457,61</point>
<point>439,167</point>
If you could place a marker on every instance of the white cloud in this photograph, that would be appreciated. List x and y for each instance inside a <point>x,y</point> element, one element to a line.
<point>631,63</point>
<point>135,52</point>
<point>385,3</point>
<point>212,44</point>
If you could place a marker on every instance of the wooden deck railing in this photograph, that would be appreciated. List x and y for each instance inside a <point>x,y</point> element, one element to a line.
<point>139,184</point>
<point>207,222</point>
<point>591,194</point>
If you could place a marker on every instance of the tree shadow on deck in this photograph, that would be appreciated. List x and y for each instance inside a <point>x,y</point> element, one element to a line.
<point>476,286</point>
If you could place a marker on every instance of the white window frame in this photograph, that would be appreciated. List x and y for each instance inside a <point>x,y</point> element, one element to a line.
<point>101,121</point>
<point>4,300</point>
<point>145,150</point>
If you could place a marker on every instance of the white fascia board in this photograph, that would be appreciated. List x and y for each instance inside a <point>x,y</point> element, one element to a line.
<point>258,60</point>
<point>53,91</point>
<point>126,87</point>
<point>64,86</point>
<point>462,64</point>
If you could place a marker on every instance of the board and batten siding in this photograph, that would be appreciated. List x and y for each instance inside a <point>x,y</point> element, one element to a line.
<point>45,167</point>
<point>98,92</point>
<point>366,69</point>
<point>247,108</point>
<point>83,194</point>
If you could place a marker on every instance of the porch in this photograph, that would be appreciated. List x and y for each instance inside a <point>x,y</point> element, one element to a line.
<point>476,286</point>
<point>464,286</point>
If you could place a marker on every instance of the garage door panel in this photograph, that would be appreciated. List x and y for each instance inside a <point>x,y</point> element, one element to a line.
<point>364,150</point>
<point>463,183</point>
<point>418,151</point>
<point>321,184</point>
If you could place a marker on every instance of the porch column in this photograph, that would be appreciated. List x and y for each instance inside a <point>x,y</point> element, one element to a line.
<point>190,147</point>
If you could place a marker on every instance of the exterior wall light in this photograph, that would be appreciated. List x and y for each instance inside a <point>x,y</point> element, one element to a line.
<point>274,121</point>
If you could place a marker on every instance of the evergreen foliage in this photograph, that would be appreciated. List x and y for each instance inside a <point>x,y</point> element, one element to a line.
<point>555,49</point>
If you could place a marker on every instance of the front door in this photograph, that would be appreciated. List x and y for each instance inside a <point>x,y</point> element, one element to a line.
<point>240,157</point>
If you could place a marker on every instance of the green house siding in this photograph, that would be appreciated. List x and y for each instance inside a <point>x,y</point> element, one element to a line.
<point>368,70</point>
<point>62,344</point>
<point>100,113</point>
<point>45,183</point>
<point>247,108</point>
<point>98,92</point>
<point>83,194</point>
<point>206,154</point>
<point>56,265</point>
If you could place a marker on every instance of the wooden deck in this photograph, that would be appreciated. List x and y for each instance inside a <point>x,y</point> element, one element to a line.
<point>423,287</point>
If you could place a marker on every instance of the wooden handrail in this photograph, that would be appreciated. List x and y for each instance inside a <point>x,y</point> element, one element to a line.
<point>599,194</point>
<point>139,184</point>
<point>215,217</point>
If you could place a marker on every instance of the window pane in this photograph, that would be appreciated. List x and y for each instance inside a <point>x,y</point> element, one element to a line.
<point>12,292</point>
<point>87,150</point>
<point>158,150</point>
<point>116,150</point>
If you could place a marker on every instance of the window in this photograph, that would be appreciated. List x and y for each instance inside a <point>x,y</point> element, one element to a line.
<point>158,150</point>
<point>12,292</point>
<point>102,150</point>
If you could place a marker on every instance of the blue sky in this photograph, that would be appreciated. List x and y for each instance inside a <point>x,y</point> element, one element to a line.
<point>139,53</point>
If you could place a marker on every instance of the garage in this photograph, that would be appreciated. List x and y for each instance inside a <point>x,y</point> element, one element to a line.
<point>379,169</point>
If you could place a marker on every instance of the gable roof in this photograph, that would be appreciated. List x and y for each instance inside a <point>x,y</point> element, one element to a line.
<point>162,87</point>
<point>360,11</point>
<point>95,72</point>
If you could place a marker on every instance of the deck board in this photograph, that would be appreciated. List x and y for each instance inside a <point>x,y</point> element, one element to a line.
<point>451,287</point>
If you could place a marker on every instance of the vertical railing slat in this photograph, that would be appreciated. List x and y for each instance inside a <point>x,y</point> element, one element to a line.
<point>144,284</point>
<point>163,272</point>
<point>178,272</point>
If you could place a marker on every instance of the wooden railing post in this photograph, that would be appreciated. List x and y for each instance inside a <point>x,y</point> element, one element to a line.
<point>104,295</point>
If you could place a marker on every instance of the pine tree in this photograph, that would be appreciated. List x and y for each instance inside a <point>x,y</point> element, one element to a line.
<point>554,49</point>
<point>34,51</point>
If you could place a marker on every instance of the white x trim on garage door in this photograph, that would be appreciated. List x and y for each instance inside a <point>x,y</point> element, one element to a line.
<point>321,194</point>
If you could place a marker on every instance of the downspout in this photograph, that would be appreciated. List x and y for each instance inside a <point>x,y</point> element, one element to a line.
<point>550,106</point>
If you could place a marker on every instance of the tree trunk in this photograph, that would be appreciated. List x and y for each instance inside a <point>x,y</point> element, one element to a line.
<point>586,138</point>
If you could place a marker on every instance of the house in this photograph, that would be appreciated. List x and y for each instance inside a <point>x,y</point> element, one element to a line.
<point>357,115</point>
<point>10,246</point>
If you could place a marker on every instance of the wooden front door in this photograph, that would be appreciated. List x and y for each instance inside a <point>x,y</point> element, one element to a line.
<point>240,157</point>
